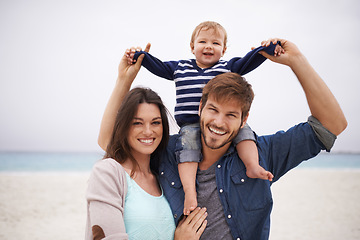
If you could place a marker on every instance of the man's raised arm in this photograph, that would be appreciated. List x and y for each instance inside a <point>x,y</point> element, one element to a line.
<point>322,103</point>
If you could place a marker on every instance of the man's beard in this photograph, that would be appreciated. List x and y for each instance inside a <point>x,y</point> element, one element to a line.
<point>213,144</point>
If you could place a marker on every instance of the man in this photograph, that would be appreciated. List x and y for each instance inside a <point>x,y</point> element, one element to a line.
<point>239,207</point>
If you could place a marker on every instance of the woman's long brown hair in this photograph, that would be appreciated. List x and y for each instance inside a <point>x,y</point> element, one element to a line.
<point>118,147</point>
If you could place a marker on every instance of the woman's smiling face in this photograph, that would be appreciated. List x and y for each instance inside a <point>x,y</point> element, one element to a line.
<point>146,130</point>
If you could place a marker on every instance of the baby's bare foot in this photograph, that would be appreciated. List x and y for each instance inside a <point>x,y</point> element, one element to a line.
<point>259,172</point>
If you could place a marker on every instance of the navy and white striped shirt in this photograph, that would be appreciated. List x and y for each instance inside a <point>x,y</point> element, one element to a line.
<point>190,79</point>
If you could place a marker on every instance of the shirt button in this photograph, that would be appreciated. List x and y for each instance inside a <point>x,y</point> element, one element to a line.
<point>162,173</point>
<point>238,239</point>
<point>229,216</point>
<point>242,180</point>
<point>175,215</point>
<point>172,183</point>
<point>219,166</point>
<point>221,190</point>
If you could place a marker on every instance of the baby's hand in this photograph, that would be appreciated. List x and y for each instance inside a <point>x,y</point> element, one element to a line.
<point>130,53</point>
<point>278,50</point>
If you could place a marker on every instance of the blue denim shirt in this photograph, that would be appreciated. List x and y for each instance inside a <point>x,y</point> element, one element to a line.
<point>247,202</point>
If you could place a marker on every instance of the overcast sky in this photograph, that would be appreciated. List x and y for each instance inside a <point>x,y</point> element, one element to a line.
<point>58,61</point>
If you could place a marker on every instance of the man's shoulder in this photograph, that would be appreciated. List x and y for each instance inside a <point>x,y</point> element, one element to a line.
<point>168,157</point>
<point>173,138</point>
<point>284,135</point>
<point>171,146</point>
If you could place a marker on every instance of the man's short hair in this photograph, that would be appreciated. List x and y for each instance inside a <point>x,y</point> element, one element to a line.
<point>227,87</point>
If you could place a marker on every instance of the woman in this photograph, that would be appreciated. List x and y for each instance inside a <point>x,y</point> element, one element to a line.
<point>124,198</point>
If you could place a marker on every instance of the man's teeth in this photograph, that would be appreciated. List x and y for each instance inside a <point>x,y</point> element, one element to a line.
<point>146,140</point>
<point>216,131</point>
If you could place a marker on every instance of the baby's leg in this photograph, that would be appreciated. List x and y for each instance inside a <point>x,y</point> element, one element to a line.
<point>188,155</point>
<point>248,153</point>
<point>187,172</point>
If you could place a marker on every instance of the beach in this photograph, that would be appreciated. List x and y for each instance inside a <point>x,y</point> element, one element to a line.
<point>308,204</point>
<point>317,204</point>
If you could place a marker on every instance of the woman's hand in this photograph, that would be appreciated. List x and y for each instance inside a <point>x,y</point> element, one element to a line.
<point>191,227</point>
<point>128,71</point>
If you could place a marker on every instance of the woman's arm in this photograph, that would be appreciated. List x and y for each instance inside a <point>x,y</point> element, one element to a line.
<point>126,75</point>
<point>105,196</point>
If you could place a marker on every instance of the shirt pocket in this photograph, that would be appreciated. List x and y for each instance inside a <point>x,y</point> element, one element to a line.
<point>254,194</point>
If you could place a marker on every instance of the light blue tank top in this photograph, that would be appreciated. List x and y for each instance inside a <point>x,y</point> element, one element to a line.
<point>146,216</point>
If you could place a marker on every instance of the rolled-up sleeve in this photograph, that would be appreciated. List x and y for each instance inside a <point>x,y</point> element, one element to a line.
<point>325,136</point>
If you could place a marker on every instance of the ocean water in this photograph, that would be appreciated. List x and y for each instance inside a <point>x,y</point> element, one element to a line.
<point>83,162</point>
<point>47,162</point>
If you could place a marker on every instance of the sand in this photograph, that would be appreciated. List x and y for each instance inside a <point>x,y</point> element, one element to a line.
<point>42,206</point>
<point>317,204</point>
<point>308,204</point>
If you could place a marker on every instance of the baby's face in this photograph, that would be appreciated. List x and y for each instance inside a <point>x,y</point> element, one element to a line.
<point>208,47</point>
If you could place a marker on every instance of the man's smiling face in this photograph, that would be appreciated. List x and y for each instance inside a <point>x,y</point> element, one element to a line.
<point>219,123</point>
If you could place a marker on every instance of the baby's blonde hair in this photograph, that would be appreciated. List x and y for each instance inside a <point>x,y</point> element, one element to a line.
<point>206,26</point>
